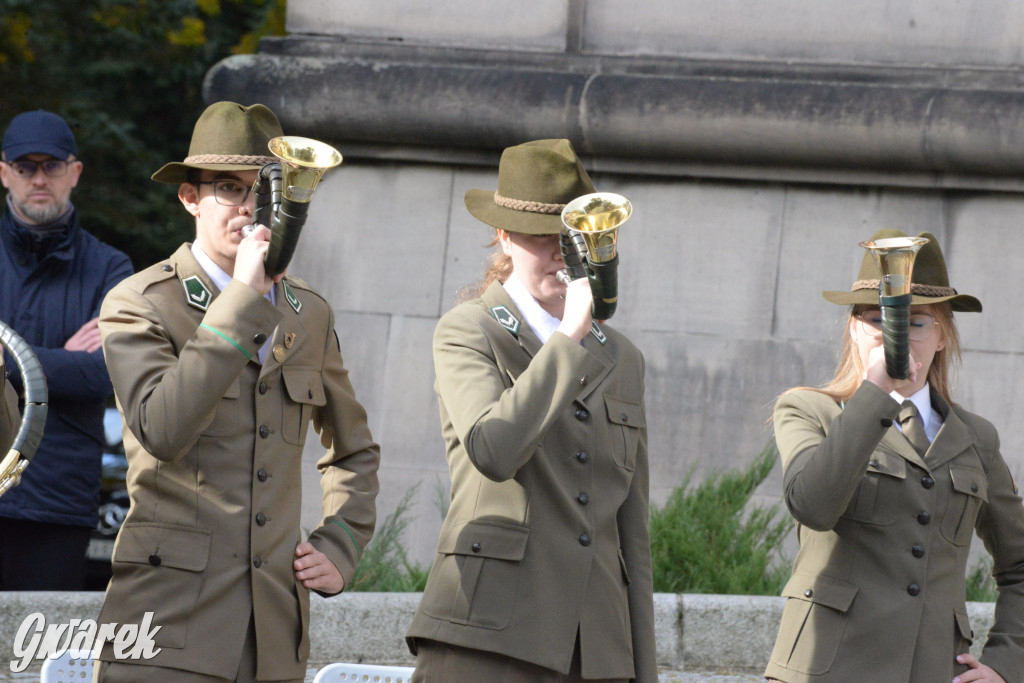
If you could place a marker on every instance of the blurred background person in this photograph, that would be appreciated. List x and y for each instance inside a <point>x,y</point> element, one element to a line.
<point>53,277</point>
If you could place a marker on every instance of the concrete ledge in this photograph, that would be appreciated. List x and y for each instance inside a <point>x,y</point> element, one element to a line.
<point>693,632</point>
<point>942,127</point>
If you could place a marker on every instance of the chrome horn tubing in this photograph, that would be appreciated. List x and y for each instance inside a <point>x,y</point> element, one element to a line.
<point>33,419</point>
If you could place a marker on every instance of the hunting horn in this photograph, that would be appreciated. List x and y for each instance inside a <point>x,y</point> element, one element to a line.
<point>30,433</point>
<point>283,190</point>
<point>895,257</point>
<point>590,230</point>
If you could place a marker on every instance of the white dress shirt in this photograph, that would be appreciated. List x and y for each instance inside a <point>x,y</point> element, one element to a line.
<point>540,321</point>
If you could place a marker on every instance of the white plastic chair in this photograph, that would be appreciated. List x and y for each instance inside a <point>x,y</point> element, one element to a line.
<point>368,673</point>
<point>74,666</point>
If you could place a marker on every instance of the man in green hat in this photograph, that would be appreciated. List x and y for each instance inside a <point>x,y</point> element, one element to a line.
<point>218,371</point>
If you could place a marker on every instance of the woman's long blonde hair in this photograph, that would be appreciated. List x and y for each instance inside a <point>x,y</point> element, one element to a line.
<point>499,267</point>
<point>850,373</point>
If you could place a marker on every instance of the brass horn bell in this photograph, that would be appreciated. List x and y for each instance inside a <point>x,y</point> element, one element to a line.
<point>589,245</point>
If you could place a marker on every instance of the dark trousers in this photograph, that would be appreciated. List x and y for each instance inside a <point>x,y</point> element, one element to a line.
<point>38,556</point>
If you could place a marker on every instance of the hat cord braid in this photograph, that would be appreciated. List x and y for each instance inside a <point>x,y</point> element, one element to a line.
<point>235,159</point>
<point>525,205</point>
<point>915,288</point>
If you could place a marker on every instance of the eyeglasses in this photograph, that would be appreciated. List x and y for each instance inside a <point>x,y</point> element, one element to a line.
<point>921,324</point>
<point>53,168</point>
<point>227,192</point>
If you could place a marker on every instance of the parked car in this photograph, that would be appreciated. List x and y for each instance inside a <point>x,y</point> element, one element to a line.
<point>113,504</point>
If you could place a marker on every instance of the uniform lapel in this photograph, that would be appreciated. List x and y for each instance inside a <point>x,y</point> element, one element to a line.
<point>953,438</point>
<point>197,289</point>
<point>592,343</point>
<point>290,334</point>
<point>514,327</point>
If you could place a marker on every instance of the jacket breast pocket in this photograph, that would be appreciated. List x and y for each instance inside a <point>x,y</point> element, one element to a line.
<point>876,500</point>
<point>476,575</point>
<point>813,623</point>
<point>304,391</point>
<point>225,416</point>
<point>969,492</point>
<point>626,419</point>
<point>159,568</point>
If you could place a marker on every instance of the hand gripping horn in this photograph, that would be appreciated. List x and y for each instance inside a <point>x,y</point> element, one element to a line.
<point>895,257</point>
<point>590,230</point>
<point>283,190</point>
<point>30,433</point>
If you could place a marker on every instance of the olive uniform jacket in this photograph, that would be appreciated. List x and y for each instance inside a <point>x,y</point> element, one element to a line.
<point>214,442</point>
<point>878,589</point>
<point>9,415</point>
<point>546,534</point>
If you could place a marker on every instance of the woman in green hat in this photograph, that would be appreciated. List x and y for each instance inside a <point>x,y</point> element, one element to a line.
<point>887,480</point>
<point>543,567</point>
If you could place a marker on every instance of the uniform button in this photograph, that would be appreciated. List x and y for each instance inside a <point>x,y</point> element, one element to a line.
<point>927,482</point>
<point>923,517</point>
<point>264,431</point>
<point>872,463</point>
<point>475,547</point>
<point>974,488</point>
<point>584,539</point>
<point>263,387</point>
<point>261,518</point>
<point>261,474</point>
<point>583,498</point>
<point>311,393</point>
<point>166,268</point>
<point>155,560</point>
<point>260,338</point>
<point>886,422</point>
<point>257,561</point>
<point>583,381</point>
<point>913,590</point>
<point>582,456</point>
<point>917,551</point>
<point>625,418</point>
<point>808,593</point>
<point>582,414</point>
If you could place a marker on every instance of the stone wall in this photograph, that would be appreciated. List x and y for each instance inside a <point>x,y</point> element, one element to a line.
<point>758,146</point>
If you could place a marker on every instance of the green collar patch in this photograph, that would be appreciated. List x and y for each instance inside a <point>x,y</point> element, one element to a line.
<point>290,297</point>
<point>506,319</point>
<point>596,330</point>
<point>196,293</point>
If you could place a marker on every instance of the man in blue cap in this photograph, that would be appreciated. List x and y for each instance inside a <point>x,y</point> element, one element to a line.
<point>53,277</point>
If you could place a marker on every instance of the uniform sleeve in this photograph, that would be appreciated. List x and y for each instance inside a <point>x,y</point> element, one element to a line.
<point>9,416</point>
<point>78,375</point>
<point>348,469</point>
<point>168,398</point>
<point>821,470</point>
<point>1000,525</point>
<point>500,427</point>
<point>633,519</point>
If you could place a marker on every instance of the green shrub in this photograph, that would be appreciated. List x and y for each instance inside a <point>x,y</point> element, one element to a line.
<point>981,586</point>
<point>384,566</point>
<point>706,540</point>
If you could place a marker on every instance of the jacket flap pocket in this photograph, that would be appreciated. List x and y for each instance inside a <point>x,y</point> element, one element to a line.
<point>822,590</point>
<point>234,391</point>
<point>304,385</point>
<point>163,545</point>
<point>969,481</point>
<point>486,539</point>
<point>623,412</point>
<point>890,464</point>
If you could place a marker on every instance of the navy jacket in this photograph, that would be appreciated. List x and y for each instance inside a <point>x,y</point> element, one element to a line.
<point>46,297</point>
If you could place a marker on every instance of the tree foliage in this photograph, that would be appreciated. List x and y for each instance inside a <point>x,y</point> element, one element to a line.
<point>127,76</point>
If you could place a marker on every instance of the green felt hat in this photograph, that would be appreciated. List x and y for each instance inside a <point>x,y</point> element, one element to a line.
<point>929,279</point>
<point>535,181</point>
<point>227,137</point>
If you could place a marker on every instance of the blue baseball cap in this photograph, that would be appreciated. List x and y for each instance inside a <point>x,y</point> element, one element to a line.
<point>38,132</point>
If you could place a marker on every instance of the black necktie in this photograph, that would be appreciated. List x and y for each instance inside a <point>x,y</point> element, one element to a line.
<point>913,427</point>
